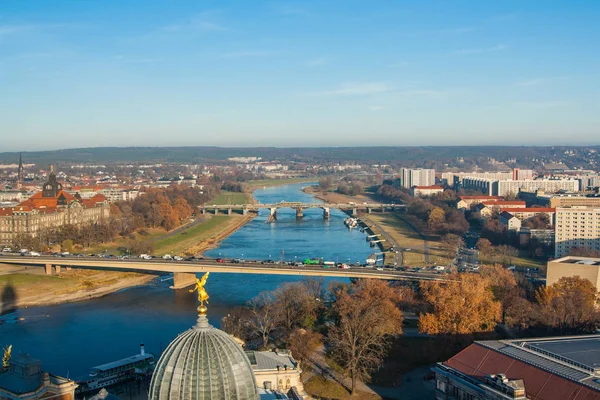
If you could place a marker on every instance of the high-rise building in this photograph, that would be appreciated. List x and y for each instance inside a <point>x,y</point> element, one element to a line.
<point>510,187</point>
<point>417,177</point>
<point>576,228</point>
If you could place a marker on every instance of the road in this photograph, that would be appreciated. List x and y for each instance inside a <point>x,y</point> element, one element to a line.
<point>154,266</point>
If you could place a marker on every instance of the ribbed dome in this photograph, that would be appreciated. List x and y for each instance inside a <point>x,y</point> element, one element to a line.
<point>203,363</point>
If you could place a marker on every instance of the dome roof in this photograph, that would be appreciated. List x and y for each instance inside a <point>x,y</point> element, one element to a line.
<point>203,363</point>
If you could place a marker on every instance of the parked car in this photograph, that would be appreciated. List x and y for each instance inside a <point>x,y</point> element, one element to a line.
<point>178,258</point>
<point>34,254</point>
<point>145,256</point>
<point>6,250</point>
<point>220,260</point>
<point>167,257</point>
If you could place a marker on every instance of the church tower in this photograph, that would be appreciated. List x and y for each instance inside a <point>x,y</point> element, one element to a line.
<point>52,187</point>
<point>20,172</point>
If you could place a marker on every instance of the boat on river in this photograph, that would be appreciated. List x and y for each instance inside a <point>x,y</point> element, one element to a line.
<point>137,366</point>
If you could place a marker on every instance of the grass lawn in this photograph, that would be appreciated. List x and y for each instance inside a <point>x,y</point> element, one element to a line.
<point>408,238</point>
<point>232,198</point>
<point>190,238</point>
<point>320,387</point>
<point>111,248</point>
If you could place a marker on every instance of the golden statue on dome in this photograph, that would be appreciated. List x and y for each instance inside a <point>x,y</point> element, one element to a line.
<point>6,358</point>
<point>202,293</point>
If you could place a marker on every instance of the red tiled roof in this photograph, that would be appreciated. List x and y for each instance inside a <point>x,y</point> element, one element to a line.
<point>505,202</point>
<point>481,198</point>
<point>478,361</point>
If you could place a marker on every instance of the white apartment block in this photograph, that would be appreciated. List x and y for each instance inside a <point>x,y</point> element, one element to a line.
<point>510,187</point>
<point>576,227</point>
<point>453,178</point>
<point>416,177</point>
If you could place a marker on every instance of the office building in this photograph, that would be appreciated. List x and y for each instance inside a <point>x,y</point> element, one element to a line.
<point>576,228</point>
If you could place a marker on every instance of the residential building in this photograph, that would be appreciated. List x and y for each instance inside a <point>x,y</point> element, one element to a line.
<point>589,182</point>
<point>455,178</point>
<point>465,202</point>
<point>114,194</point>
<point>584,267</point>
<point>421,191</point>
<point>509,221</point>
<point>24,379</point>
<point>512,187</point>
<point>11,196</point>
<point>416,177</point>
<point>506,187</point>
<point>526,213</point>
<point>52,207</point>
<point>577,227</point>
<point>556,368</point>
<point>521,174</point>
<point>540,198</point>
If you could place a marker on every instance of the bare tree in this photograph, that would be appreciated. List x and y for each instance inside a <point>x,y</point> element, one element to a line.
<point>367,316</point>
<point>264,317</point>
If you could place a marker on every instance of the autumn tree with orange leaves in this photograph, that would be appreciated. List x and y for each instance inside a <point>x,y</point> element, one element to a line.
<point>569,305</point>
<point>367,316</point>
<point>462,306</point>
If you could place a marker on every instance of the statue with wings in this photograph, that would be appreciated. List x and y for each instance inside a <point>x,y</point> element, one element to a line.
<point>202,294</point>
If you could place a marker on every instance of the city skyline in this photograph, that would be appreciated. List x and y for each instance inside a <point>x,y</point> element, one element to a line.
<point>297,74</point>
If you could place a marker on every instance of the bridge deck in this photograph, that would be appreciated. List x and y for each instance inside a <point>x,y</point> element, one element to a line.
<point>167,266</point>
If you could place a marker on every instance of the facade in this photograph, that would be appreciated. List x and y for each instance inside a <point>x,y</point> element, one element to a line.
<point>512,187</point>
<point>540,198</point>
<point>526,213</point>
<point>11,196</point>
<point>555,368</point>
<point>584,267</point>
<point>52,207</point>
<point>509,221</point>
<point>455,178</point>
<point>487,208</point>
<point>421,191</point>
<point>548,185</point>
<point>416,177</point>
<point>119,194</point>
<point>276,370</point>
<point>24,379</point>
<point>521,174</point>
<point>544,236</point>
<point>589,182</point>
<point>576,227</point>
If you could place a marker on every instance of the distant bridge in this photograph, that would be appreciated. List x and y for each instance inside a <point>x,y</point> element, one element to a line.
<point>184,272</point>
<point>353,208</point>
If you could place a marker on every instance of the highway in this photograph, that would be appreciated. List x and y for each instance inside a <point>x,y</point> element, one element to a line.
<point>158,266</point>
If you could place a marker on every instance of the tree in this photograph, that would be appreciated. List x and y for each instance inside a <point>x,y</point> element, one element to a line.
<point>366,315</point>
<point>264,317</point>
<point>485,248</point>
<point>296,305</point>
<point>303,342</point>
<point>569,305</point>
<point>436,218</point>
<point>325,183</point>
<point>503,284</point>
<point>462,306</point>
<point>67,245</point>
<point>451,243</point>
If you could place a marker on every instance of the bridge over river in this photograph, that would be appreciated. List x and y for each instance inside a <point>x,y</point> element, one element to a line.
<point>352,208</point>
<point>184,272</point>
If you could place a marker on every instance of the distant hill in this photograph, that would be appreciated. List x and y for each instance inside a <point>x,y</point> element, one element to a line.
<point>418,155</point>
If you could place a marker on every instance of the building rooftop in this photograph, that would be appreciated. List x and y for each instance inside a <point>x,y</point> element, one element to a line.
<point>578,260</point>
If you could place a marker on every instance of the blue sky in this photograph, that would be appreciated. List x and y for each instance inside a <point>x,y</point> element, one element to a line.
<point>247,73</point>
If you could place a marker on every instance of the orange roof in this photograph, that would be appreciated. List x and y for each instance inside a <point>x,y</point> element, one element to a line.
<point>529,210</point>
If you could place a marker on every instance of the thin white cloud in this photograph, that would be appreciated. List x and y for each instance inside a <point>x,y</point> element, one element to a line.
<point>316,62</point>
<point>245,53</point>
<point>423,92</point>
<point>540,81</point>
<point>356,89</point>
<point>498,47</point>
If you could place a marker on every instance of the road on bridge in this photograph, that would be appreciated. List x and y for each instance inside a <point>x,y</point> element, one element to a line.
<point>157,266</point>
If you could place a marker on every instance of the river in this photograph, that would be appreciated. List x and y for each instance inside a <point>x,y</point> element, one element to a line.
<point>69,339</point>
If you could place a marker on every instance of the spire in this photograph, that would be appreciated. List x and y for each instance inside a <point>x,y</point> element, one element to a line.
<point>52,169</point>
<point>20,171</point>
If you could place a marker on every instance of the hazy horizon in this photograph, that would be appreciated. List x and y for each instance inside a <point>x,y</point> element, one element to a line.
<point>298,74</point>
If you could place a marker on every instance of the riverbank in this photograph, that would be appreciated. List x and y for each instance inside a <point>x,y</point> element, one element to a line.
<point>333,197</point>
<point>23,287</point>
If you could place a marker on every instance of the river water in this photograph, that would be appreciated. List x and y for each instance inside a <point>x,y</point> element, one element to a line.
<point>69,339</point>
